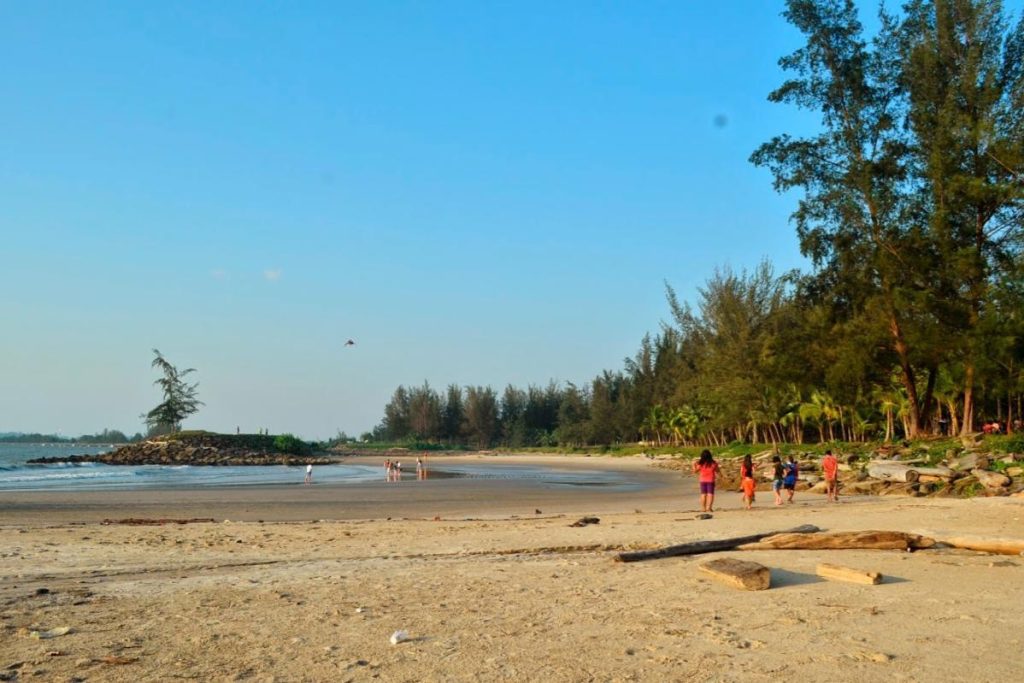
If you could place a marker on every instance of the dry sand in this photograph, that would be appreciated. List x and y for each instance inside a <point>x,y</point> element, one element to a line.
<point>495,597</point>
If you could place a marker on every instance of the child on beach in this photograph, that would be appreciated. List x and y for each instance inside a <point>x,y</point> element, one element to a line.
<point>830,467</point>
<point>747,482</point>
<point>778,475</point>
<point>707,469</point>
<point>789,481</point>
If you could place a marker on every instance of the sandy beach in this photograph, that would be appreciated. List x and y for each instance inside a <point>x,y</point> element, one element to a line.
<point>488,588</point>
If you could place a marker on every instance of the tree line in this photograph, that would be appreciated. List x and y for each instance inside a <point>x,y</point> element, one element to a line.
<point>910,207</point>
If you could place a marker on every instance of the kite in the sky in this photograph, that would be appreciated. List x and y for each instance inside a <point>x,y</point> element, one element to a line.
<point>350,343</point>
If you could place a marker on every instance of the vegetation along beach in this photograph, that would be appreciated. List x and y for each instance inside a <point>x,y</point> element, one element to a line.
<point>500,342</point>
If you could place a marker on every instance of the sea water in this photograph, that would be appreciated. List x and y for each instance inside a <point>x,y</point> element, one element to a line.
<point>16,474</point>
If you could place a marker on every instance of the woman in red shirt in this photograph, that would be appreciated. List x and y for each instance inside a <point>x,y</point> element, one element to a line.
<point>706,470</point>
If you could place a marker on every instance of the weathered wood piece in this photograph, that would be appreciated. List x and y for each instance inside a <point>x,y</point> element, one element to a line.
<point>843,540</point>
<point>940,472</point>
<point>970,461</point>
<point>892,471</point>
<point>840,573</point>
<point>748,576</point>
<point>991,480</point>
<point>584,521</point>
<point>701,547</point>
<point>996,546</point>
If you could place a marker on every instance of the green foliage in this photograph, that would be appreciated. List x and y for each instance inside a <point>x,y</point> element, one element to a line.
<point>1013,443</point>
<point>180,398</point>
<point>288,443</point>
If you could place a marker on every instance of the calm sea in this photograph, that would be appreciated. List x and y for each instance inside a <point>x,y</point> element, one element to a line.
<point>17,475</point>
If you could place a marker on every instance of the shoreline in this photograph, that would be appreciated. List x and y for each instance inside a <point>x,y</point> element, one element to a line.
<point>410,498</point>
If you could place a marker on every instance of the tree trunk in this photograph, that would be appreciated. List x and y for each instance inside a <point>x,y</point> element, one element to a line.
<point>967,426</point>
<point>913,420</point>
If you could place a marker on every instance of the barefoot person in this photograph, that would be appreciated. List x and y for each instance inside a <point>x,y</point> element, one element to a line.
<point>747,481</point>
<point>778,475</point>
<point>830,467</point>
<point>789,481</point>
<point>706,469</point>
<point>309,474</point>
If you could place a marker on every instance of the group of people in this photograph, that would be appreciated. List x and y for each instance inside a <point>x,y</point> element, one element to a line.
<point>784,478</point>
<point>393,470</point>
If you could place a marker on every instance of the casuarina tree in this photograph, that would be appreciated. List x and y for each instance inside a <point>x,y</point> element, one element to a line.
<point>180,397</point>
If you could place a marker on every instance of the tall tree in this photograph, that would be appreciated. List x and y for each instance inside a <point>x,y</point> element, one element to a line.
<point>180,397</point>
<point>965,79</point>
<point>850,219</point>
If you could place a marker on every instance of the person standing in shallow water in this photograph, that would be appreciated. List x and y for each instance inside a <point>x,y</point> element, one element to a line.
<point>706,470</point>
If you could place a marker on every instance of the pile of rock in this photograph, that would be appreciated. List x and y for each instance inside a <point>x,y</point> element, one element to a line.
<point>200,449</point>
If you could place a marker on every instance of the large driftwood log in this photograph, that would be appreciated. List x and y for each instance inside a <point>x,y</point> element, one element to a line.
<point>748,576</point>
<point>840,573</point>
<point>843,540</point>
<point>991,480</point>
<point>701,547</point>
<point>892,471</point>
<point>996,546</point>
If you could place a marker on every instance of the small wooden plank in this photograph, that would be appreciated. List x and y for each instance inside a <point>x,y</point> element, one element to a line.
<point>748,576</point>
<point>841,573</point>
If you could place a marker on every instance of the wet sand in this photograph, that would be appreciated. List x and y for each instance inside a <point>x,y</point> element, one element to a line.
<point>503,598</point>
<point>409,498</point>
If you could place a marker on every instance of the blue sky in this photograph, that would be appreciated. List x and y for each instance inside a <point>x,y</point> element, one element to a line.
<point>483,193</point>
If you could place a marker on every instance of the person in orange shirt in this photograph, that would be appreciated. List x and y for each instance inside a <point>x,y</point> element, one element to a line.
<point>747,482</point>
<point>830,466</point>
<point>706,470</point>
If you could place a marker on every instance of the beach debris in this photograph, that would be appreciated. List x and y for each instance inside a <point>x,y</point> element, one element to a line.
<point>991,480</point>
<point>700,547</point>
<point>584,521</point>
<point>843,540</point>
<point>841,573</point>
<point>137,521</point>
<point>399,637</point>
<point>892,471</point>
<point>704,515</point>
<point>42,591</point>
<point>360,610</point>
<point>51,633</point>
<point>537,511</point>
<point>748,576</point>
<point>995,546</point>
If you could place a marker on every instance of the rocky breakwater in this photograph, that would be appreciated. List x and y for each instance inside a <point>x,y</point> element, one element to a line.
<point>199,449</point>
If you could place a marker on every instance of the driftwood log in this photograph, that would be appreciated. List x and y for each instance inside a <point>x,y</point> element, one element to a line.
<point>839,573</point>
<point>748,576</point>
<point>996,546</point>
<point>843,540</point>
<point>991,480</point>
<point>892,471</point>
<point>701,547</point>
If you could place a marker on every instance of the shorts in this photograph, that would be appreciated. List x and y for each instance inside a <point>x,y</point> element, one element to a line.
<point>707,488</point>
<point>789,484</point>
<point>776,485</point>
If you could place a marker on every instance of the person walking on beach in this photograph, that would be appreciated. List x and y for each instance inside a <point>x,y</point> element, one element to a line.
<point>747,482</point>
<point>778,474</point>
<point>830,467</point>
<point>419,469</point>
<point>309,474</point>
<point>789,481</point>
<point>707,470</point>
